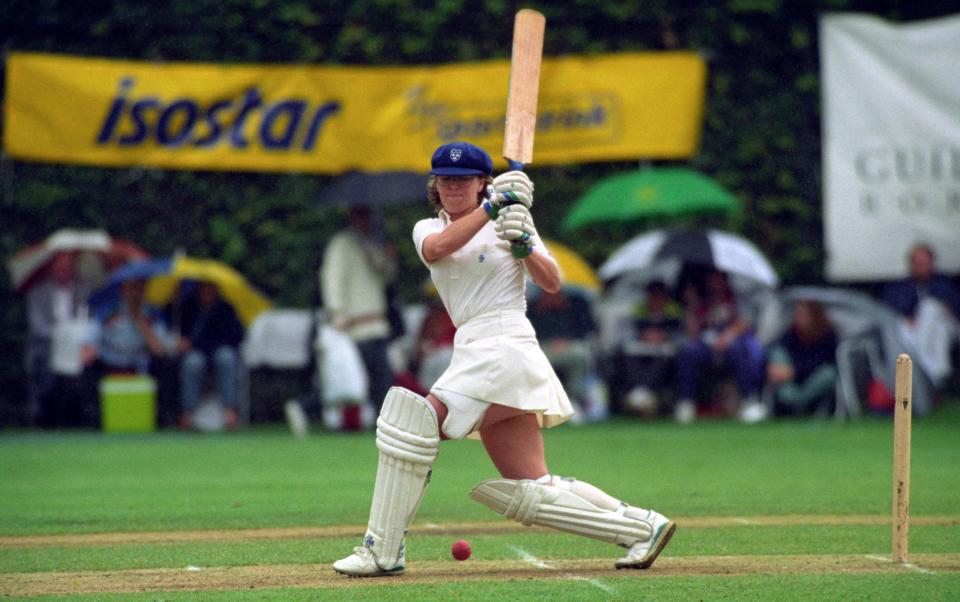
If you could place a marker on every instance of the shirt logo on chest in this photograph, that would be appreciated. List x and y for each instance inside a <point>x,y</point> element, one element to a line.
<point>481,258</point>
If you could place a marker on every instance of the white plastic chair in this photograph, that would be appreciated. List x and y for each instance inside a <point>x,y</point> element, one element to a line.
<point>278,339</point>
<point>848,400</point>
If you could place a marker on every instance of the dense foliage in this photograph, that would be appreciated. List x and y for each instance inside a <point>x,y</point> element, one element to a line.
<point>760,135</point>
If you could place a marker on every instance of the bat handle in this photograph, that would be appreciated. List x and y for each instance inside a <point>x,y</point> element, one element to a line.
<point>514,165</point>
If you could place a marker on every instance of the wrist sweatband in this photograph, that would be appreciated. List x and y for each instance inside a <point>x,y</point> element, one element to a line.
<point>492,211</point>
<point>521,250</point>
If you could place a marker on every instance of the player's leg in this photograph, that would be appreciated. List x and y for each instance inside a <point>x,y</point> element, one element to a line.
<point>408,437</point>
<point>528,494</point>
<point>440,410</point>
<point>514,443</point>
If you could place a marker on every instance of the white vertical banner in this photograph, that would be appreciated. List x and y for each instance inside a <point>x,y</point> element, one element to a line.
<point>891,143</point>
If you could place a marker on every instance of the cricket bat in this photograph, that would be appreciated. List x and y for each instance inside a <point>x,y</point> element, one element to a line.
<point>521,120</point>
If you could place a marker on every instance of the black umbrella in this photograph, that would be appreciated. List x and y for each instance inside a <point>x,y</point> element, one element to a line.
<point>375,188</point>
<point>723,251</point>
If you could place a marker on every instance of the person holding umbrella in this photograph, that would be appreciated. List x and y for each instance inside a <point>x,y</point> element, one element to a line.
<point>56,275</point>
<point>53,301</point>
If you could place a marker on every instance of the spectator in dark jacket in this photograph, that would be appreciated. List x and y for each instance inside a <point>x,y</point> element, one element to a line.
<point>802,366</point>
<point>924,281</point>
<point>210,334</point>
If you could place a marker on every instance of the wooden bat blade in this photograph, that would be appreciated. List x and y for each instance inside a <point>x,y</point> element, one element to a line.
<point>527,53</point>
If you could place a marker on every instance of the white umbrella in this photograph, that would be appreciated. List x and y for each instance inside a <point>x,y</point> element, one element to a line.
<point>712,248</point>
<point>25,265</point>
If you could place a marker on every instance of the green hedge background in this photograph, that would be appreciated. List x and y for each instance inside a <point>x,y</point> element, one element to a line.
<point>761,134</point>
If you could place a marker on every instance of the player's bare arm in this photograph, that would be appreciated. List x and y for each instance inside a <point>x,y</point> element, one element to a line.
<point>543,271</point>
<point>440,245</point>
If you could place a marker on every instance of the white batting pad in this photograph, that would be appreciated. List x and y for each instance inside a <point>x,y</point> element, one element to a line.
<point>532,503</point>
<point>408,438</point>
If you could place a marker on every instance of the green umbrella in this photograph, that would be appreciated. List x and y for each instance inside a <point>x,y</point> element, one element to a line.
<point>666,191</point>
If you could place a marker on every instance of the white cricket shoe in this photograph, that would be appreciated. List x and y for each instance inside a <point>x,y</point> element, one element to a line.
<point>685,411</point>
<point>363,563</point>
<point>753,412</point>
<point>642,400</point>
<point>296,418</point>
<point>642,554</point>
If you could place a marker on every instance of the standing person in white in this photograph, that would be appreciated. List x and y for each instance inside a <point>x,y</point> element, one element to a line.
<point>357,267</point>
<point>499,386</point>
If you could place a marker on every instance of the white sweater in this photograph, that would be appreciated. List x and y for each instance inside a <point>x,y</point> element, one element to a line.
<point>353,279</point>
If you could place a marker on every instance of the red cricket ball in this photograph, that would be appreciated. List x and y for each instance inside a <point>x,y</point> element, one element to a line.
<point>461,549</point>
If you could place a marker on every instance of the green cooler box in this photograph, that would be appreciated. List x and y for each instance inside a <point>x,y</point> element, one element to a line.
<point>128,404</point>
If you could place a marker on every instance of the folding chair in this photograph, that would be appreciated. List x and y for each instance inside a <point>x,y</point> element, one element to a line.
<point>278,339</point>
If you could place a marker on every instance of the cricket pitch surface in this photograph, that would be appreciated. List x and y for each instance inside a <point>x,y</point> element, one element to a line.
<point>322,576</point>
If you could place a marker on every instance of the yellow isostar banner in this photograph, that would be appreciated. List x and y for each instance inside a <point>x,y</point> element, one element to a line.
<point>326,119</point>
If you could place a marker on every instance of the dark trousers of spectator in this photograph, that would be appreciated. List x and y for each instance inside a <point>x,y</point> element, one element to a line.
<point>743,358</point>
<point>225,364</point>
<point>65,403</point>
<point>379,375</point>
<point>628,371</point>
<point>652,372</point>
<point>40,386</point>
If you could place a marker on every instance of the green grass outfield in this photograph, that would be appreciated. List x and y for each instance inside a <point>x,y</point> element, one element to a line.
<point>787,510</point>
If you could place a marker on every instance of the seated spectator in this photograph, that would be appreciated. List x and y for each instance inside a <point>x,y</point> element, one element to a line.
<point>929,303</point>
<point>133,339</point>
<point>565,328</point>
<point>210,336</point>
<point>802,367</point>
<point>719,335</point>
<point>649,354</point>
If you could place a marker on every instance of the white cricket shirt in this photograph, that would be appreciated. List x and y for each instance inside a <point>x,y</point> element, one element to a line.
<point>479,277</point>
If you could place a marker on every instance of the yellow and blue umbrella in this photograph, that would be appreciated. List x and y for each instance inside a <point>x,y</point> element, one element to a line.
<point>163,277</point>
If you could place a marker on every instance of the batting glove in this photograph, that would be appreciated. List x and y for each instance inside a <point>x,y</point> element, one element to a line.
<point>512,187</point>
<point>515,225</point>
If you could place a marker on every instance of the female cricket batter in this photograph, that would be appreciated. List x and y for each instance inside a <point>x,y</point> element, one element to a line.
<point>480,248</point>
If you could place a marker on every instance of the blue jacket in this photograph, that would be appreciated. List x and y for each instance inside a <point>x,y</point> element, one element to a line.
<point>904,295</point>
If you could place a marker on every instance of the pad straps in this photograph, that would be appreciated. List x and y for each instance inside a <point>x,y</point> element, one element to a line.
<point>532,503</point>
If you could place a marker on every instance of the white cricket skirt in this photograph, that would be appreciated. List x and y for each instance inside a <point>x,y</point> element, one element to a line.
<point>497,360</point>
